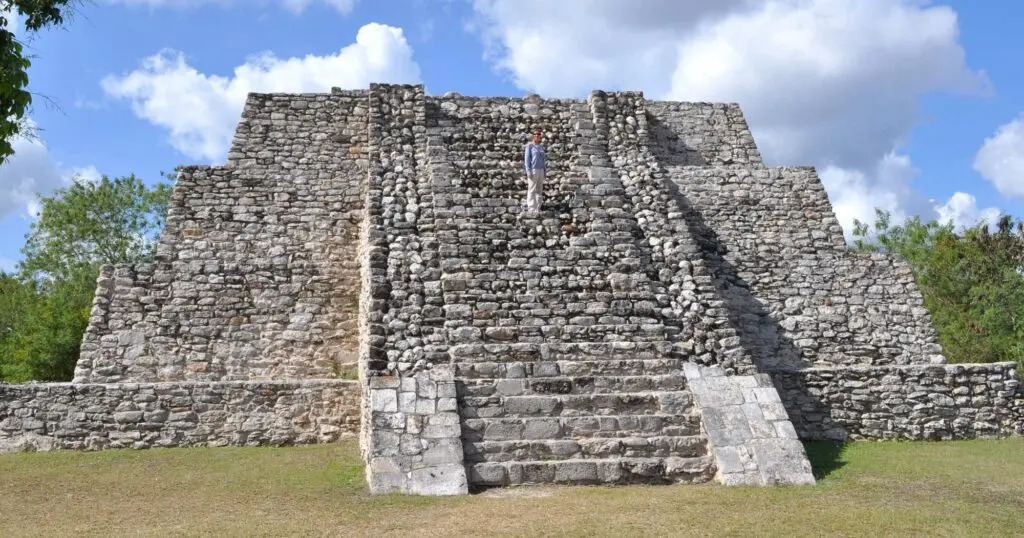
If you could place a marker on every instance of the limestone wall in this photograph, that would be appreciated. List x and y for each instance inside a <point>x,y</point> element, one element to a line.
<point>257,274</point>
<point>149,415</point>
<point>415,446</point>
<point>700,134</point>
<point>673,254</point>
<point>793,291</point>
<point>957,401</point>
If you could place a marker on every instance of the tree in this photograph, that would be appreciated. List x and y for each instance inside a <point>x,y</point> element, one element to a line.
<point>15,99</point>
<point>86,225</point>
<point>972,282</point>
<point>81,227</point>
<point>44,339</point>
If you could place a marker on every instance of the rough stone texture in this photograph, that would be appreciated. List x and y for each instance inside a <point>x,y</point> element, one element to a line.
<point>793,292</point>
<point>414,445</point>
<point>256,275</point>
<point>384,227</point>
<point>699,134</point>
<point>39,417</point>
<point>753,441</point>
<point>956,401</point>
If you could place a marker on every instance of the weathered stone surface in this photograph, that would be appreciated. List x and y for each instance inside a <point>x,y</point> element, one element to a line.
<point>667,274</point>
<point>956,401</point>
<point>419,450</point>
<point>40,417</point>
<point>749,448</point>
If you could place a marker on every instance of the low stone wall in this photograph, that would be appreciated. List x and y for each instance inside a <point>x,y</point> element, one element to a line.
<point>914,402</point>
<point>147,415</point>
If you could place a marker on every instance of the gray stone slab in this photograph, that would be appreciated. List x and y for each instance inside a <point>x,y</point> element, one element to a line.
<point>440,480</point>
<point>782,461</point>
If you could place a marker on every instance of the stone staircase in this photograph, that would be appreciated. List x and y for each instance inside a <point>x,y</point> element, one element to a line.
<point>559,346</point>
<point>560,341</point>
<point>581,413</point>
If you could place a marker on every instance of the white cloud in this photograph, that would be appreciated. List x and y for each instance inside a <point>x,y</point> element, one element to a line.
<point>829,83</point>
<point>201,110</point>
<point>962,210</point>
<point>1001,159</point>
<point>29,171</point>
<point>295,6</point>
<point>855,194</point>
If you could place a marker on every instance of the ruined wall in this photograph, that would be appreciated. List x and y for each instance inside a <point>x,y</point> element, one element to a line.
<point>672,252</point>
<point>794,292</point>
<point>700,134</point>
<point>956,401</point>
<point>149,415</point>
<point>256,274</point>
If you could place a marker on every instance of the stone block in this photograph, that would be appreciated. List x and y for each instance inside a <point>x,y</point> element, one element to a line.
<point>578,472</point>
<point>719,398</point>
<point>728,460</point>
<point>782,461</point>
<point>489,474</point>
<point>440,480</point>
<point>425,406</point>
<point>542,429</point>
<point>385,400</point>
<point>443,451</point>
<point>726,426</point>
<point>385,476</point>
<point>784,429</point>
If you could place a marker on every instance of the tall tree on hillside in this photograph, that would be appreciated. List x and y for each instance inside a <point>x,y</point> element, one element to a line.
<point>79,228</point>
<point>972,281</point>
<point>15,99</point>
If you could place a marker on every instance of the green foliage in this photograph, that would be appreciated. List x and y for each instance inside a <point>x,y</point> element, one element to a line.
<point>44,309</point>
<point>972,281</point>
<point>44,339</point>
<point>15,99</point>
<point>90,224</point>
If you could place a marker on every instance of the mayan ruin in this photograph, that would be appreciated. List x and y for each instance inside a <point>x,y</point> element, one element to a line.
<point>362,266</point>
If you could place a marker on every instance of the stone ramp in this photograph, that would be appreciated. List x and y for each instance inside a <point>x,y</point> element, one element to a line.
<point>749,432</point>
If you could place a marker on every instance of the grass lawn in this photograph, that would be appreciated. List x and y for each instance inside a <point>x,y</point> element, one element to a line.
<point>973,488</point>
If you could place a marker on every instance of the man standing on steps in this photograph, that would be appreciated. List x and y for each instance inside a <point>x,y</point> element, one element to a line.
<point>536,169</point>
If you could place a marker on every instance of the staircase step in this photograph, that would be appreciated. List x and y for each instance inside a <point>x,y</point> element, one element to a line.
<point>570,333</point>
<point>555,351</point>
<point>629,403</point>
<point>571,385</point>
<point>605,426</point>
<point>557,368</point>
<point>594,471</point>
<point>587,448</point>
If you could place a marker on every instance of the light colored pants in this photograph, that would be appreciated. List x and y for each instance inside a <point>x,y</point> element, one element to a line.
<point>535,188</point>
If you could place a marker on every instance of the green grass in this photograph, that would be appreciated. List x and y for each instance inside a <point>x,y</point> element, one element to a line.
<point>972,488</point>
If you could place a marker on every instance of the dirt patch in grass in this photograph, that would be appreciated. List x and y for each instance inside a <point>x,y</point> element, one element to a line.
<point>973,488</point>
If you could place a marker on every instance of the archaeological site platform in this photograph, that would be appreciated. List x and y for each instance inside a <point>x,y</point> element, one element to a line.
<point>362,266</point>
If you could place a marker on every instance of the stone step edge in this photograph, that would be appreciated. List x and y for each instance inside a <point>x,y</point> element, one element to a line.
<point>510,442</point>
<point>641,393</point>
<point>621,345</point>
<point>464,420</point>
<point>588,448</point>
<point>667,365</point>
<point>587,471</point>
<point>484,380</point>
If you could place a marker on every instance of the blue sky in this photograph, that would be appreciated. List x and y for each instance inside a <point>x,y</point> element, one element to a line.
<point>910,106</point>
